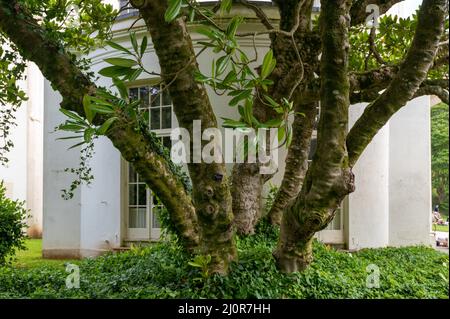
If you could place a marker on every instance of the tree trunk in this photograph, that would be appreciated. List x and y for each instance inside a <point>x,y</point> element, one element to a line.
<point>296,161</point>
<point>211,193</point>
<point>247,184</point>
<point>329,178</point>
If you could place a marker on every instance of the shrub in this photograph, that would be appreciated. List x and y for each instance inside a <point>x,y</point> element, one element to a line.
<point>12,224</point>
<point>165,271</point>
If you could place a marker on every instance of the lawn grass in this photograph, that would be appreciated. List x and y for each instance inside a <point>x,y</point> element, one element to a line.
<point>443,228</point>
<point>32,257</point>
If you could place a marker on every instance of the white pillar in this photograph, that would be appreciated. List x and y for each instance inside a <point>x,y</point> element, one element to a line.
<point>367,223</point>
<point>410,174</point>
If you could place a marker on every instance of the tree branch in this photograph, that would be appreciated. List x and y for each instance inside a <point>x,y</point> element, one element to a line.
<point>433,90</point>
<point>412,73</point>
<point>211,192</point>
<point>259,13</point>
<point>60,69</point>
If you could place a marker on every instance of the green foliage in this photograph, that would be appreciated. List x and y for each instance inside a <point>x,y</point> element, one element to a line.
<point>440,155</point>
<point>11,96</point>
<point>163,271</point>
<point>393,38</point>
<point>12,225</point>
<point>78,24</point>
<point>202,263</point>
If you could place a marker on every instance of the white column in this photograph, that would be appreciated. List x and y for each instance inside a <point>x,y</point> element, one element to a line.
<point>35,92</point>
<point>410,174</point>
<point>367,222</point>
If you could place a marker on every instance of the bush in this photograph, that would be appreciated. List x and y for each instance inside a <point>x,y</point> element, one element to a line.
<point>163,271</point>
<point>12,224</point>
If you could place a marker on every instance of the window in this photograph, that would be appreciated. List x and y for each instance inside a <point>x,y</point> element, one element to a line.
<point>143,206</point>
<point>159,105</point>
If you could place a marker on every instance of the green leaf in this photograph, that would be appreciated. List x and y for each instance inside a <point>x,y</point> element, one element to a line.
<point>76,145</point>
<point>233,26</point>
<point>87,108</point>
<point>72,115</point>
<point>271,101</point>
<point>143,45</point>
<point>173,10</point>
<point>69,137</point>
<point>88,133</point>
<point>273,123</point>
<point>121,88</point>
<point>233,123</point>
<point>114,71</point>
<point>71,127</point>
<point>241,96</point>
<point>199,77</point>
<point>268,64</point>
<point>194,264</point>
<point>106,125</point>
<point>135,74</point>
<point>127,63</point>
<point>222,64</point>
<point>134,42</point>
<point>101,109</point>
<point>225,5</point>
<point>118,47</point>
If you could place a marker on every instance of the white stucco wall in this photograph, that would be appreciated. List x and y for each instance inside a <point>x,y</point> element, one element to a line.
<point>368,207</point>
<point>14,173</point>
<point>34,144</point>
<point>22,175</point>
<point>62,218</point>
<point>410,174</point>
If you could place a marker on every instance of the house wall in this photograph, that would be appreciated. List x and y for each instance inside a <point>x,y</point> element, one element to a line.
<point>62,218</point>
<point>22,175</point>
<point>410,175</point>
<point>367,221</point>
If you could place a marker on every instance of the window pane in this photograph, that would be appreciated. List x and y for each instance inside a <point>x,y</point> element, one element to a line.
<point>144,96</point>
<point>156,98</point>
<point>137,218</point>
<point>132,192</point>
<point>134,94</point>
<point>155,117</point>
<point>166,98</point>
<point>131,174</point>
<point>142,194</point>
<point>166,141</point>
<point>166,117</point>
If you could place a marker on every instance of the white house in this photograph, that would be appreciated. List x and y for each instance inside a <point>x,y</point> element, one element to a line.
<point>390,207</point>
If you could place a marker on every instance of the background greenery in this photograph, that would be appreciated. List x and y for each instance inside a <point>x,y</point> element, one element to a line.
<point>12,226</point>
<point>439,156</point>
<point>164,271</point>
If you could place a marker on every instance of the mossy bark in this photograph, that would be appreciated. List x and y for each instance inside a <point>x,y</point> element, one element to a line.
<point>329,178</point>
<point>211,192</point>
<point>287,77</point>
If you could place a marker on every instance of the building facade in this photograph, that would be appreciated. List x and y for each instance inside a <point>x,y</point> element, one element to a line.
<point>390,207</point>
